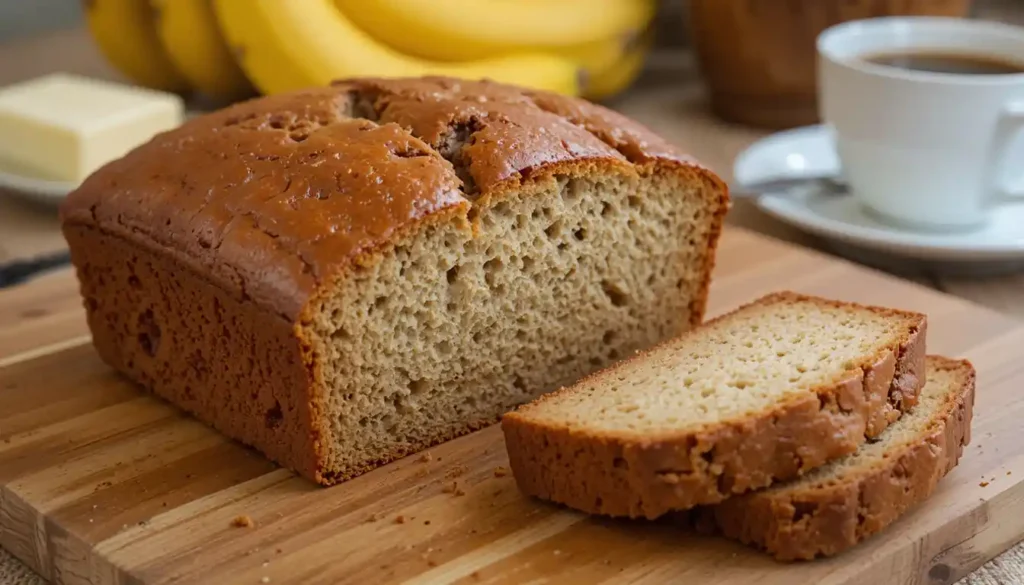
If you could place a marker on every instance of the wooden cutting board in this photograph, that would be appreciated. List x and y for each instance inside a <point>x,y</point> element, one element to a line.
<point>104,484</point>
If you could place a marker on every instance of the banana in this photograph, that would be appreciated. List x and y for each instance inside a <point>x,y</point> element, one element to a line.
<point>191,37</point>
<point>619,75</point>
<point>598,56</point>
<point>126,35</point>
<point>460,30</point>
<point>284,45</point>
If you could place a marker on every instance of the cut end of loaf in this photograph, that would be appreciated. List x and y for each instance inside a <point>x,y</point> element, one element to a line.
<point>764,393</point>
<point>448,330</point>
<point>840,504</point>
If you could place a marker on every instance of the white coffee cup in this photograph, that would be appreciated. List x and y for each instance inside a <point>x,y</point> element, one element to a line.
<point>926,150</point>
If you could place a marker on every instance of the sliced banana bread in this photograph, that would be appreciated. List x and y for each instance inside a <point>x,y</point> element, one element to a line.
<point>840,504</point>
<point>345,275</point>
<point>762,394</point>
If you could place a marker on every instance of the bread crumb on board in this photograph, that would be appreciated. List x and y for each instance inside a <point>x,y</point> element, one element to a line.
<point>243,521</point>
<point>453,488</point>
<point>400,519</point>
<point>456,471</point>
<point>500,471</point>
<point>426,457</point>
<point>983,484</point>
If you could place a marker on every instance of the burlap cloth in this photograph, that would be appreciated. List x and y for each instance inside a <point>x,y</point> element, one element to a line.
<point>1007,569</point>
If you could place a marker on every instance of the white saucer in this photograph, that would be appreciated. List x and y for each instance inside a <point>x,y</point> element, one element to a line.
<point>998,247</point>
<point>33,188</point>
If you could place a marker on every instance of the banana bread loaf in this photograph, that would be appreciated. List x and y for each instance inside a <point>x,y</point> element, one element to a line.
<point>345,275</point>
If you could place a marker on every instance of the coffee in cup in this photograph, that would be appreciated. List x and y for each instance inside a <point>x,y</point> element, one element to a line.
<point>927,115</point>
<point>945,62</point>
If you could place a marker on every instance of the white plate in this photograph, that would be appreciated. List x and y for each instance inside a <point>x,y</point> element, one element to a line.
<point>40,190</point>
<point>841,219</point>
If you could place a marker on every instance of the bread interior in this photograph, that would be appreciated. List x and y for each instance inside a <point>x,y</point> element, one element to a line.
<point>560,279</point>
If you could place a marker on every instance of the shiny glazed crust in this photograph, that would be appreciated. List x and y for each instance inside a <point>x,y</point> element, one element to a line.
<point>641,475</point>
<point>219,235</point>
<point>824,521</point>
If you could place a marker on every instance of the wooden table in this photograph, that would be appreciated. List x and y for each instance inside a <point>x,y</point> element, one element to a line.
<point>669,98</point>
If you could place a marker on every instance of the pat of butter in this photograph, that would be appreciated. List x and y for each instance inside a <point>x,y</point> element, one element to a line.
<point>63,127</point>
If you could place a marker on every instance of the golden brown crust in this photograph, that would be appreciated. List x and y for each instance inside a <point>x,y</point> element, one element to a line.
<point>275,196</point>
<point>640,474</point>
<point>269,197</point>
<point>823,520</point>
<point>263,205</point>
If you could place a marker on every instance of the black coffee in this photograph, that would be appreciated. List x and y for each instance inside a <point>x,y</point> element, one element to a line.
<point>959,63</point>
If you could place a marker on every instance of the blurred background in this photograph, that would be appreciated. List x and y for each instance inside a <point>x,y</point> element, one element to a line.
<point>748,51</point>
<point>20,18</point>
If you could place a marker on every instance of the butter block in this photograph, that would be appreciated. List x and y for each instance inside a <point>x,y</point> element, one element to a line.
<point>62,127</point>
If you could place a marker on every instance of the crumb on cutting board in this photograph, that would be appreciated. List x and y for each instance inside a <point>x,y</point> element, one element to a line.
<point>400,519</point>
<point>426,457</point>
<point>243,521</point>
<point>453,488</point>
<point>500,471</point>
<point>456,471</point>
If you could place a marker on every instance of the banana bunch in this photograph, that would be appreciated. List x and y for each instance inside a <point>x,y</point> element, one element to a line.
<point>607,39</point>
<point>230,49</point>
<point>170,45</point>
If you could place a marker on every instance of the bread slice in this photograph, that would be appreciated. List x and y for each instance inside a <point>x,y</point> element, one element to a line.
<point>762,394</point>
<point>842,503</point>
<point>344,275</point>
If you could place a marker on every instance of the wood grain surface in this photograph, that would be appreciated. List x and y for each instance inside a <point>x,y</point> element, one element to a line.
<point>103,484</point>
